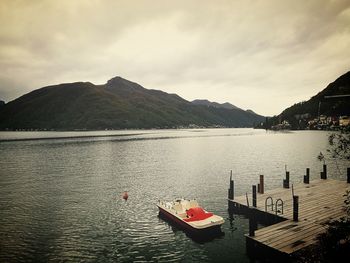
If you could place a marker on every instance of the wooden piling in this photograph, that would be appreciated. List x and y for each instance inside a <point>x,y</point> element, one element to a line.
<point>286,181</point>
<point>261,184</point>
<point>232,185</point>
<point>254,195</point>
<point>295,208</point>
<point>253,224</point>
<point>324,172</point>
<point>307,176</point>
<point>231,193</point>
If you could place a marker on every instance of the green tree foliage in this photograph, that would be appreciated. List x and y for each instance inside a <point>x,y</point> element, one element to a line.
<point>335,242</point>
<point>340,145</point>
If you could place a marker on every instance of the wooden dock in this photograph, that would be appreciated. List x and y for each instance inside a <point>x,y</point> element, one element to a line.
<point>319,201</point>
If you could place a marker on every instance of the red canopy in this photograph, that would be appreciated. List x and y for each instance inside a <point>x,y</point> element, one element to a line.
<point>196,214</point>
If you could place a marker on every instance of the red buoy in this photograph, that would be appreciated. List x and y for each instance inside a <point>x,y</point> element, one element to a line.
<point>125,195</point>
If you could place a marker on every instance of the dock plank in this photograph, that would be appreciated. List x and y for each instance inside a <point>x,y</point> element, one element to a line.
<point>319,202</point>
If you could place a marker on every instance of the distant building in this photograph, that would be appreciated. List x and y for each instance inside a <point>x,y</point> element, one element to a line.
<point>282,126</point>
<point>323,119</point>
<point>344,121</point>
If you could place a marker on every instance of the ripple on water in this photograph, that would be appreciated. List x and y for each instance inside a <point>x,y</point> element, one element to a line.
<point>61,199</point>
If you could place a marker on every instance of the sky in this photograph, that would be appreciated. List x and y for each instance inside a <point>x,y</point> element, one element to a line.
<point>261,55</point>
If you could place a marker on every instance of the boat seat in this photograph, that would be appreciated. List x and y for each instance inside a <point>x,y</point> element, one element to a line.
<point>193,203</point>
<point>178,207</point>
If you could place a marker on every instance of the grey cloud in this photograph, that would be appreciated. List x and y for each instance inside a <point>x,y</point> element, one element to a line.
<point>245,52</point>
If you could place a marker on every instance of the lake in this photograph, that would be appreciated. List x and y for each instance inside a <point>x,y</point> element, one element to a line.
<point>61,192</point>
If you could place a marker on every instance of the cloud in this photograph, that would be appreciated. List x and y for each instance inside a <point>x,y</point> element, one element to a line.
<point>263,55</point>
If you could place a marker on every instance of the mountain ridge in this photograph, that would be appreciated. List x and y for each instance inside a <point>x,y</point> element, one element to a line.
<point>118,104</point>
<point>208,103</point>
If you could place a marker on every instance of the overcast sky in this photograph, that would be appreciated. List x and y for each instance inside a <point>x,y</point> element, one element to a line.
<point>259,55</point>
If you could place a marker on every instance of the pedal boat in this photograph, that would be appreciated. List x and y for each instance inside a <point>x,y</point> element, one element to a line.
<point>189,215</point>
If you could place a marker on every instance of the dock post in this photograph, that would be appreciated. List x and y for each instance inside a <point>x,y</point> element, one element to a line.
<point>246,196</point>
<point>286,181</point>
<point>252,223</point>
<point>254,195</point>
<point>295,207</point>
<point>231,193</point>
<point>324,172</point>
<point>261,184</point>
<point>232,184</point>
<point>348,175</point>
<point>307,176</point>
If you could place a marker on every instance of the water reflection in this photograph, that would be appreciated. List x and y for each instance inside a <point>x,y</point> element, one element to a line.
<point>61,199</point>
<point>231,220</point>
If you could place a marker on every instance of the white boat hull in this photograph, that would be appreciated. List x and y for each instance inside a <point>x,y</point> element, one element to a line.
<point>170,211</point>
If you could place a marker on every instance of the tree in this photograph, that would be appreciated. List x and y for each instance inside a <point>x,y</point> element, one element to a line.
<point>335,242</point>
<point>339,145</point>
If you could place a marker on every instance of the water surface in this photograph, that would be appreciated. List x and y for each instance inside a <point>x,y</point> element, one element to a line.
<point>60,192</point>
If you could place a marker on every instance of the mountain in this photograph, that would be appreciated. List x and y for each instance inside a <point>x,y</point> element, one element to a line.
<point>118,104</point>
<point>327,102</point>
<point>251,111</point>
<point>208,103</point>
